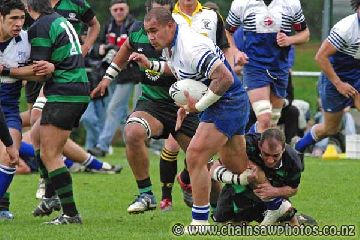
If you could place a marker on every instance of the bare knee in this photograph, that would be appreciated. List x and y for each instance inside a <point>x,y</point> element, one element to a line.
<point>135,134</point>
<point>171,144</point>
<point>264,122</point>
<point>194,158</point>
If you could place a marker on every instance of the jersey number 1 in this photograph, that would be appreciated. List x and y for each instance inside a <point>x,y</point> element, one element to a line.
<point>75,43</point>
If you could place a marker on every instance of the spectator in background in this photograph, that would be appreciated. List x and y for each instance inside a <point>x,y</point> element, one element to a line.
<point>115,33</point>
<point>93,118</point>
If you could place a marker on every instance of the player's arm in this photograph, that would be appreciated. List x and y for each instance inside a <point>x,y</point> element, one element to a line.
<point>233,21</point>
<point>322,58</point>
<point>298,38</point>
<point>38,71</point>
<point>266,191</point>
<point>159,66</point>
<point>221,80</point>
<point>5,137</point>
<point>88,17</point>
<point>92,33</point>
<point>118,63</point>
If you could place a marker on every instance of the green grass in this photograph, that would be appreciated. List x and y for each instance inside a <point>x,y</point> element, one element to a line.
<point>329,192</point>
<point>305,87</point>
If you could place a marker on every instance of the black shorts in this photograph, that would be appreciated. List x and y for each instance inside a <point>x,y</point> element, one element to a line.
<point>166,113</point>
<point>32,90</point>
<point>62,115</point>
<point>238,207</point>
<point>242,207</point>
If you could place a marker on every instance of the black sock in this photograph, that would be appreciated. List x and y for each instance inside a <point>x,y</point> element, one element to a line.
<point>145,186</point>
<point>62,183</point>
<point>5,202</point>
<point>185,177</point>
<point>49,189</point>
<point>42,169</point>
<point>168,169</point>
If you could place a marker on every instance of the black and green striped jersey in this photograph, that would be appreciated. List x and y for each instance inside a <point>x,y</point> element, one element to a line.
<point>54,39</point>
<point>289,171</point>
<point>154,86</point>
<point>77,12</point>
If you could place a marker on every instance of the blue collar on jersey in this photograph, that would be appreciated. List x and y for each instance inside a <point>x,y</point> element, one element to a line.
<point>18,39</point>
<point>175,36</point>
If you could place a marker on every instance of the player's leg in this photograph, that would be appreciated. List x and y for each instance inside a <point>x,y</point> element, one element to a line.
<point>260,101</point>
<point>168,170</point>
<point>330,126</point>
<point>139,127</point>
<point>58,119</point>
<point>77,154</point>
<point>7,172</point>
<point>207,141</point>
<point>277,104</point>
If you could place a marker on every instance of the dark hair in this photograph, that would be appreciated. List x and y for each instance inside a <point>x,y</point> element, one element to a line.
<point>7,5</point>
<point>40,6</point>
<point>149,3</point>
<point>113,2</point>
<point>161,15</point>
<point>355,4</point>
<point>274,136</point>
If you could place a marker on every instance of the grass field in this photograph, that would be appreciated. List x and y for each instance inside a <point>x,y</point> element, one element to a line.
<point>329,192</point>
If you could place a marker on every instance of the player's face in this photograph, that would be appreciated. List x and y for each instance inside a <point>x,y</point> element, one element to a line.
<point>119,11</point>
<point>271,156</point>
<point>188,3</point>
<point>12,23</point>
<point>158,34</point>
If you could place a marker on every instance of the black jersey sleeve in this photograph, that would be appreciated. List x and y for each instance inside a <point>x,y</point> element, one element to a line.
<point>221,39</point>
<point>5,136</point>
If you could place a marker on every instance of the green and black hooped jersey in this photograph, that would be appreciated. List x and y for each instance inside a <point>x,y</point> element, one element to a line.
<point>77,12</point>
<point>154,86</point>
<point>288,174</point>
<point>54,39</point>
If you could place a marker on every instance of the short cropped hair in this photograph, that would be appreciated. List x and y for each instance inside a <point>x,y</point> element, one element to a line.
<point>355,4</point>
<point>7,5</point>
<point>113,2</point>
<point>274,136</point>
<point>40,6</point>
<point>149,3</point>
<point>161,15</point>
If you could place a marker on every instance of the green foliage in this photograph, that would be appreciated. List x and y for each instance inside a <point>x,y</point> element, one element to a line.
<point>327,193</point>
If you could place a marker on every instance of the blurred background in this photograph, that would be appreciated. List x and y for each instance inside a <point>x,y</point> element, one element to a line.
<point>314,11</point>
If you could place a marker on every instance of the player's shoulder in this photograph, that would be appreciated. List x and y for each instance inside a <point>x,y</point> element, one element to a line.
<point>346,22</point>
<point>192,40</point>
<point>293,159</point>
<point>80,3</point>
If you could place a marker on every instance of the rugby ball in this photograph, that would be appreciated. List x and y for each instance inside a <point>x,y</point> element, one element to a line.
<point>196,90</point>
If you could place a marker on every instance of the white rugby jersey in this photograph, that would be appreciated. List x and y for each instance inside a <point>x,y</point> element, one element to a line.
<point>345,37</point>
<point>261,24</point>
<point>193,55</point>
<point>205,21</point>
<point>16,54</point>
